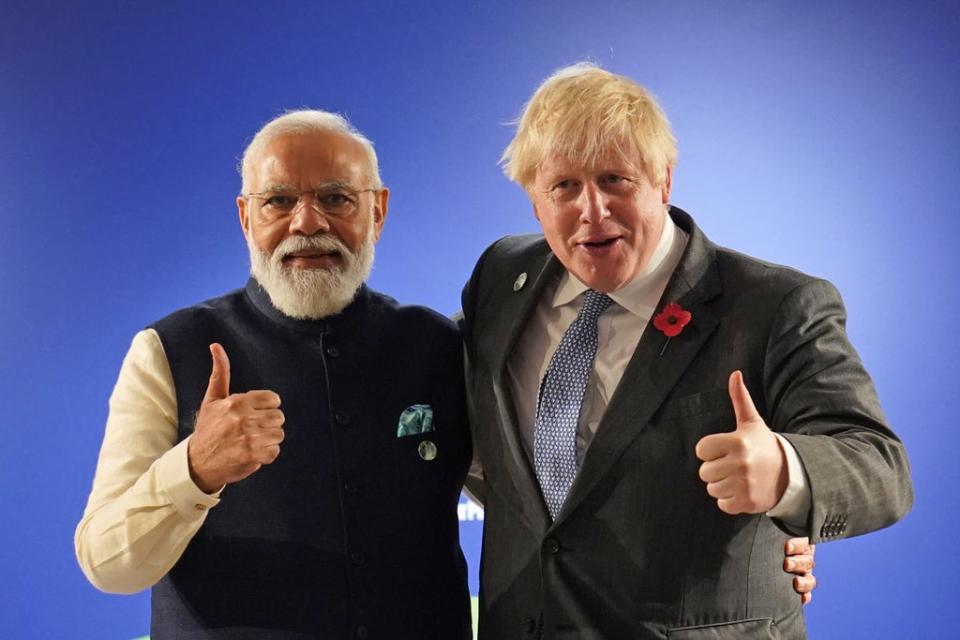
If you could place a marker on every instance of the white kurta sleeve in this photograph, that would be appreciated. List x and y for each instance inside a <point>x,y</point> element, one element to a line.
<point>143,508</point>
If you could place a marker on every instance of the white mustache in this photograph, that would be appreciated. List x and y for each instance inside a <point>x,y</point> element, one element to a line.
<point>312,293</point>
<point>301,243</point>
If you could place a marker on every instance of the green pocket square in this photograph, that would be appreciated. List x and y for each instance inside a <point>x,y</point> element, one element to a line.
<point>414,420</point>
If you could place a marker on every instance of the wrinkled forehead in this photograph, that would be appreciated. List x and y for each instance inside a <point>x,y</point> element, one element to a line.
<point>610,155</point>
<point>310,159</point>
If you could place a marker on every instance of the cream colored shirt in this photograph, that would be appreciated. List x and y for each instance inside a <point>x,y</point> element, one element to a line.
<point>143,508</point>
<point>619,330</point>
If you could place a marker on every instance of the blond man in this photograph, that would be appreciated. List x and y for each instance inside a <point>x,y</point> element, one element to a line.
<point>654,413</point>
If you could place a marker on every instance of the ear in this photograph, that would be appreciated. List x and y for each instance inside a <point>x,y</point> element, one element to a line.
<point>381,199</point>
<point>665,189</point>
<point>244,216</point>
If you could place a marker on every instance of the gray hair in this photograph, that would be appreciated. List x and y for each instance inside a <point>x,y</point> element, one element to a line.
<point>302,122</point>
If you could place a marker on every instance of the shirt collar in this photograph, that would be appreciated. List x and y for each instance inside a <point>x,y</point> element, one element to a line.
<point>640,295</point>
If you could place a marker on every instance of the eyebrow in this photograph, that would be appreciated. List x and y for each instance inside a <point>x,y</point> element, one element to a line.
<point>336,184</point>
<point>278,187</point>
<point>323,186</point>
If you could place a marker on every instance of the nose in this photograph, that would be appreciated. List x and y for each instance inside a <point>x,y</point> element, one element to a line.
<point>593,204</point>
<point>308,218</point>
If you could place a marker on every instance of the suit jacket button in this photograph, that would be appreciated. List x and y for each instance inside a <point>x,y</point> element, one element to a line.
<point>552,545</point>
<point>333,352</point>
<point>529,626</point>
<point>342,419</point>
<point>357,558</point>
<point>361,632</point>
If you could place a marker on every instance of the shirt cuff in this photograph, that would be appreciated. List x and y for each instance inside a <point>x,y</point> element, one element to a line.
<point>173,475</point>
<point>794,505</point>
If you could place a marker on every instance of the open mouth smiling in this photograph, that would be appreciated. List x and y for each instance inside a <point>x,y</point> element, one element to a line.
<point>597,245</point>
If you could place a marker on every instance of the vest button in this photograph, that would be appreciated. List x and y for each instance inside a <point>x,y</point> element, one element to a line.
<point>361,632</point>
<point>528,626</point>
<point>357,558</point>
<point>342,419</point>
<point>333,352</point>
<point>553,546</point>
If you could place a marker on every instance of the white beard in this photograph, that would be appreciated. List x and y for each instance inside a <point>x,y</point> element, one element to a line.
<point>312,293</point>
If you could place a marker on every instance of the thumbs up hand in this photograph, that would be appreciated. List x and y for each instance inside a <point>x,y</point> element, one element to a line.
<point>235,434</point>
<point>746,469</point>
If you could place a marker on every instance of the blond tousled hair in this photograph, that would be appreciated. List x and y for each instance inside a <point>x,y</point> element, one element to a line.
<point>578,113</point>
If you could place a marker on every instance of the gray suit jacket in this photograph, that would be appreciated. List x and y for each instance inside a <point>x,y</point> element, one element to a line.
<point>640,550</point>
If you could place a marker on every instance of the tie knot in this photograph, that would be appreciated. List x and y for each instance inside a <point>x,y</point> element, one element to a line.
<point>594,303</point>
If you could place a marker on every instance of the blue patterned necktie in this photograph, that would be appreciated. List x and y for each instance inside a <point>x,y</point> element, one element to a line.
<point>561,394</point>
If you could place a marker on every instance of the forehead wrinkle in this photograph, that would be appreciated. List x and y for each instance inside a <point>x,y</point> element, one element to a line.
<point>278,167</point>
<point>610,161</point>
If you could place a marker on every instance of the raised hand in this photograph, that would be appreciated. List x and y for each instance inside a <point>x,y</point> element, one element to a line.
<point>235,434</point>
<point>746,469</point>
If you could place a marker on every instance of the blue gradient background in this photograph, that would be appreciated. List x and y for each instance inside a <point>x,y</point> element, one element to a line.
<point>822,135</point>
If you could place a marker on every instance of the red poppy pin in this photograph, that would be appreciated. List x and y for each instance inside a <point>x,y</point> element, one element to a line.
<point>671,321</point>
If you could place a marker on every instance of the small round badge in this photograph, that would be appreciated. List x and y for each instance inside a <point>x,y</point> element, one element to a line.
<point>427,450</point>
<point>520,281</point>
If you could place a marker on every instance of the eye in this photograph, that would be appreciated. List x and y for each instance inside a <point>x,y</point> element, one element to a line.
<point>614,183</point>
<point>563,185</point>
<point>280,201</point>
<point>335,200</point>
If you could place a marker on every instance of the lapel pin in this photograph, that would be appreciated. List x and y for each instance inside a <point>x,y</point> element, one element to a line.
<point>520,281</point>
<point>671,321</point>
<point>427,450</point>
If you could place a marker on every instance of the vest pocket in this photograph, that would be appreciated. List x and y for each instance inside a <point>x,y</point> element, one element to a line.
<point>756,628</point>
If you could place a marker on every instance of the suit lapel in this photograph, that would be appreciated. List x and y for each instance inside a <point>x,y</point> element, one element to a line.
<point>650,376</point>
<point>540,270</point>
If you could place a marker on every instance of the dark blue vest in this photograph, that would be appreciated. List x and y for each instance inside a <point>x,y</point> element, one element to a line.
<point>350,533</point>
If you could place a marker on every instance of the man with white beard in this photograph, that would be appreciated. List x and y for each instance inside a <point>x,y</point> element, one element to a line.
<point>285,461</point>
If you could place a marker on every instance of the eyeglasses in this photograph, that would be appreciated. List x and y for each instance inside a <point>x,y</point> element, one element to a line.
<point>335,200</point>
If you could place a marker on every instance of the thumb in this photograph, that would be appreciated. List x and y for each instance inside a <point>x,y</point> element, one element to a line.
<point>743,406</point>
<point>219,385</point>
